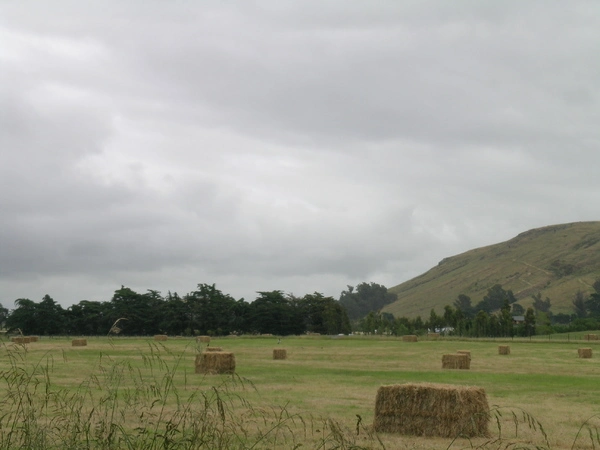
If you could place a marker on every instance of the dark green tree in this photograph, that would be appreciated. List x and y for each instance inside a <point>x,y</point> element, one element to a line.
<point>579,305</point>
<point>23,317</point>
<point>51,317</point>
<point>463,303</point>
<point>494,299</point>
<point>541,305</point>
<point>529,324</point>
<point>366,297</point>
<point>274,313</point>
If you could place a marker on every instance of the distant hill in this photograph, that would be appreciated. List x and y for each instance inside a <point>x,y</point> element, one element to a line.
<point>556,260</point>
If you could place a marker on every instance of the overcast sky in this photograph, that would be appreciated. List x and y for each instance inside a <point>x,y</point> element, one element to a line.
<point>293,145</point>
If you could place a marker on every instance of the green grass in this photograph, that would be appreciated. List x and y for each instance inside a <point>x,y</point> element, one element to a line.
<point>316,397</point>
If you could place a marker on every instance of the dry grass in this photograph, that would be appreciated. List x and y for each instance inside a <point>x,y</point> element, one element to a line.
<point>456,361</point>
<point>504,349</point>
<point>215,363</point>
<point>431,410</point>
<point>464,352</point>
<point>584,352</point>
<point>279,353</point>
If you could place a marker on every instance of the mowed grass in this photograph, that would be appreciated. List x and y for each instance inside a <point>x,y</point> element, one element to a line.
<point>337,378</point>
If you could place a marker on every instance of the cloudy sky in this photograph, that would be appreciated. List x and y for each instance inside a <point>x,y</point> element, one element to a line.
<point>293,145</point>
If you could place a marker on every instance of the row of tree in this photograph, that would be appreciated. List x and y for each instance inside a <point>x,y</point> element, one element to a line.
<point>497,315</point>
<point>205,311</point>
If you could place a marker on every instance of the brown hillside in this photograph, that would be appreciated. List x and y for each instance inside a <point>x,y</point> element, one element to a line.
<point>556,260</point>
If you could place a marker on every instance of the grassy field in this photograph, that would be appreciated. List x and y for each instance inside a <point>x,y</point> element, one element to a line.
<point>127,393</point>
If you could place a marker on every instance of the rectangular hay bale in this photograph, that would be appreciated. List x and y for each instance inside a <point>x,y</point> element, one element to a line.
<point>215,363</point>
<point>591,337</point>
<point>584,352</point>
<point>203,339</point>
<point>409,338</point>
<point>504,349</point>
<point>160,337</point>
<point>213,349</point>
<point>279,353</point>
<point>21,340</point>
<point>426,409</point>
<point>456,361</point>
<point>433,336</point>
<point>34,338</point>
<point>464,352</point>
<point>79,342</point>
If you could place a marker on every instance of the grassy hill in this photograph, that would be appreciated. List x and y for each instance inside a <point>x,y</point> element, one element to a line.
<point>555,260</point>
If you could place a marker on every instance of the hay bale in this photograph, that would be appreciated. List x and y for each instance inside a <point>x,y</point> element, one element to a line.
<point>464,352</point>
<point>213,349</point>
<point>591,337</point>
<point>432,410</point>
<point>79,342</point>
<point>34,338</point>
<point>160,337</point>
<point>456,361</point>
<point>279,353</point>
<point>409,338</point>
<point>433,336</point>
<point>215,363</point>
<point>504,349</point>
<point>584,352</point>
<point>203,339</point>
<point>21,340</point>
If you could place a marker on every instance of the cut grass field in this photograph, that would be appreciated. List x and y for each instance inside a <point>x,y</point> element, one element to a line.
<point>319,397</point>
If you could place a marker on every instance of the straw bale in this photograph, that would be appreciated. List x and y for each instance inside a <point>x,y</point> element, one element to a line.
<point>79,342</point>
<point>464,352</point>
<point>215,362</point>
<point>591,337</point>
<point>409,338</point>
<point>160,337</point>
<point>203,339</point>
<point>426,409</point>
<point>21,340</point>
<point>584,352</point>
<point>457,361</point>
<point>34,338</point>
<point>279,353</point>
<point>504,349</point>
<point>213,349</point>
<point>433,336</point>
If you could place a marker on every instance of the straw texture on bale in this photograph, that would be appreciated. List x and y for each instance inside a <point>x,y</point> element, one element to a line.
<point>584,352</point>
<point>504,349</point>
<point>457,361</point>
<point>215,363</point>
<point>160,337</point>
<point>409,338</point>
<point>591,337</point>
<point>279,353</point>
<point>34,338</point>
<point>21,340</point>
<point>464,352</point>
<point>79,342</point>
<point>213,349</point>
<point>431,410</point>
<point>203,339</point>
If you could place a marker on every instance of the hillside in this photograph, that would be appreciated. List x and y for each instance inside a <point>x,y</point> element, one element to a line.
<point>555,260</point>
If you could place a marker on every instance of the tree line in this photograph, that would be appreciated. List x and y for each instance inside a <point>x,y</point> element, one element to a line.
<point>204,311</point>
<point>494,316</point>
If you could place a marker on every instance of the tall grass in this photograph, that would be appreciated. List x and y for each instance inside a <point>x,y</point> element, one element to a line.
<point>121,406</point>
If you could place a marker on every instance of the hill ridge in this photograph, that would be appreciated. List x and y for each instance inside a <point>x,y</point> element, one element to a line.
<point>555,260</point>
